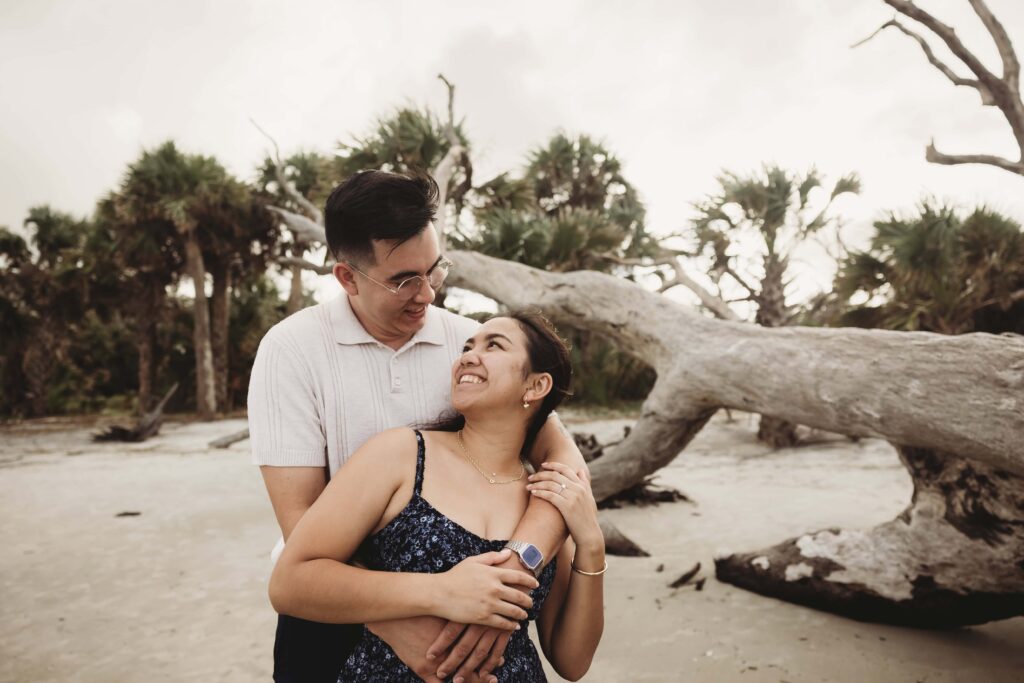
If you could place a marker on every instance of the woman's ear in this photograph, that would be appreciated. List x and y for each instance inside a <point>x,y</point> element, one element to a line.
<point>540,385</point>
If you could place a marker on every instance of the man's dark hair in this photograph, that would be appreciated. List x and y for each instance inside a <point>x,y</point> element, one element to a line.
<point>377,205</point>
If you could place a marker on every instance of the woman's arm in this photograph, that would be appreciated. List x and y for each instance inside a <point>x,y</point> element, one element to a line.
<point>312,582</point>
<point>572,619</point>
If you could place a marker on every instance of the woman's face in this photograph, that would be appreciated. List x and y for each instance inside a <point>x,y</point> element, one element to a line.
<point>489,373</point>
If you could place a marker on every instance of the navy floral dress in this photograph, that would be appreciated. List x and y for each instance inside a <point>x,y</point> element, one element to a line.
<point>421,539</point>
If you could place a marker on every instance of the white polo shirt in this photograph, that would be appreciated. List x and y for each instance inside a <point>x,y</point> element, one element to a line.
<point>321,386</point>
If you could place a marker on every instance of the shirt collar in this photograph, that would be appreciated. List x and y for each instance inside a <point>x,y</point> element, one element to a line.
<point>348,330</point>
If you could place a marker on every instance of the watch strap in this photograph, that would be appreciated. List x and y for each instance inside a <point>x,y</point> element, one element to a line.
<point>519,547</point>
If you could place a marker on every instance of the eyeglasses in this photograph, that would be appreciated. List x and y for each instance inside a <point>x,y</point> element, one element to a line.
<point>409,287</point>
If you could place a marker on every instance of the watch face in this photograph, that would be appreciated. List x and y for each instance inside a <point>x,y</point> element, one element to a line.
<point>532,556</point>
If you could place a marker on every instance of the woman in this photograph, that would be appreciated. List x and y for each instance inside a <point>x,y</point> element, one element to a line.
<point>436,524</point>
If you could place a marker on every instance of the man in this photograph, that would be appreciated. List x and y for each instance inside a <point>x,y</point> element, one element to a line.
<point>376,357</point>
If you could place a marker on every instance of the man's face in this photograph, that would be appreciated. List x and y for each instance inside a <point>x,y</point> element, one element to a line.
<point>387,316</point>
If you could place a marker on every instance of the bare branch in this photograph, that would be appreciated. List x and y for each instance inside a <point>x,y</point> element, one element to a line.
<point>986,94</point>
<point>948,36</point>
<point>304,230</point>
<point>290,261</point>
<point>449,130</point>
<point>736,276</point>
<point>314,213</point>
<point>445,169</point>
<point>1011,65</point>
<point>1003,92</point>
<point>710,301</point>
<point>936,157</point>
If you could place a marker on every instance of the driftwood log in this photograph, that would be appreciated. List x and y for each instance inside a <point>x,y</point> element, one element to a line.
<point>146,426</point>
<point>954,406</point>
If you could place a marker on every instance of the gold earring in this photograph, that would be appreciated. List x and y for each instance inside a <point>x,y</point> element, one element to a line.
<point>526,404</point>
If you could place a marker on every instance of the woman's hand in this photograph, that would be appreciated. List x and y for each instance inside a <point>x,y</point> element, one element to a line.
<point>570,492</point>
<point>476,592</point>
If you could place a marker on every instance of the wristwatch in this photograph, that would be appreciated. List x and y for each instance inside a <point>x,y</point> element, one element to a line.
<point>531,556</point>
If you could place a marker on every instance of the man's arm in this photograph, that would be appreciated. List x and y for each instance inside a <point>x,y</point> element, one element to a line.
<point>292,491</point>
<point>285,430</point>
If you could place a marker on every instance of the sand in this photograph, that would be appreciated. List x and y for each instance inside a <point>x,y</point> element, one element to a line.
<point>178,592</point>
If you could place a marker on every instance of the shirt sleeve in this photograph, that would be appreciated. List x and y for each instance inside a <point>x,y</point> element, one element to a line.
<point>285,424</point>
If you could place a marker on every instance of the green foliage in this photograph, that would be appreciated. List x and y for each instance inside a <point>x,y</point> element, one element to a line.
<point>408,141</point>
<point>43,292</point>
<point>570,207</point>
<point>603,375</point>
<point>772,207</point>
<point>312,174</point>
<point>765,216</point>
<point>257,306</point>
<point>938,272</point>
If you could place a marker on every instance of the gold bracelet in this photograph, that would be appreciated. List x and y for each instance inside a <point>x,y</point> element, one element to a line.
<point>580,571</point>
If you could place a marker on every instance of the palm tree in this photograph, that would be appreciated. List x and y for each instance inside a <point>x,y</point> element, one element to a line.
<point>769,214</point>
<point>572,174</point>
<point>239,238</point>
<point>166,185</point>
<point>938,272</point>
<point>408,141</point>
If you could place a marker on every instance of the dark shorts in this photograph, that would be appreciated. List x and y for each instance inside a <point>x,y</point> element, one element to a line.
<point>311,652</point>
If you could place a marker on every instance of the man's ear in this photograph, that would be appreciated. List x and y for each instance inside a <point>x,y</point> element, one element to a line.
<point>346,277</point>
<point>540,385</point>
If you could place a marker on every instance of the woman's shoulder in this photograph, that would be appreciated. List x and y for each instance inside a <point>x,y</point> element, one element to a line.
<point>392,451</point>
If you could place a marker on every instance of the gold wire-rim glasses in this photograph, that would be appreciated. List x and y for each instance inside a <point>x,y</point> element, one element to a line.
<point>435,277</point>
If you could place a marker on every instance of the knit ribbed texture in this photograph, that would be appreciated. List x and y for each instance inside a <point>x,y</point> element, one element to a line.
<point>321,386</point>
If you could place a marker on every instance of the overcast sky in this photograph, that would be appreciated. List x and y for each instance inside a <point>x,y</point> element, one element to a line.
<point>678,90</point>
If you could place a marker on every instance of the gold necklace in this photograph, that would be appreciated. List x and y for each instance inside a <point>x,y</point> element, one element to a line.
<point>491,477</point>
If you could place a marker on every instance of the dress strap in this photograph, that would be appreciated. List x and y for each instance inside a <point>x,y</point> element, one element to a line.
<point>420,456</point>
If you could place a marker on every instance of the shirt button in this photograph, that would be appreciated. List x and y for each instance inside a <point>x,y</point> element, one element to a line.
<point>398,382</point>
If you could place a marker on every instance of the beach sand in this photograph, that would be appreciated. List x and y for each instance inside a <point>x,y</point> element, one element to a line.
<point>178,591</point>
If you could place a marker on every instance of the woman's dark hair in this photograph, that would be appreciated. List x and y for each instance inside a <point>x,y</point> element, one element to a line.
<point>546,352</point>
<point>377,205</point>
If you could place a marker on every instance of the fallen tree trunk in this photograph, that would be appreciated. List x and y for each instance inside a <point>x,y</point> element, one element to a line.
<point>951,404</point>
<point>954,557</point>
<point>959,394</point>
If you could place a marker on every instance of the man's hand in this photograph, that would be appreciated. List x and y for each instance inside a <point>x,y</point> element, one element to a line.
<point>476,645</point>
<point>410,639</point>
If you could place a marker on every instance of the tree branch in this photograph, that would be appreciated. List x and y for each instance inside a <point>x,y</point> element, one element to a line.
<point>445,169</point>
<point>946,34</point>
<point>1000,92</point>
<point>710,301</point>
<point>1011,65</point>
<point>304,230</point>
<point>736,276</point>
<point>290,261</point>
<point>289,188</point>
<point>936,157</point>
<point>986,94</point>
